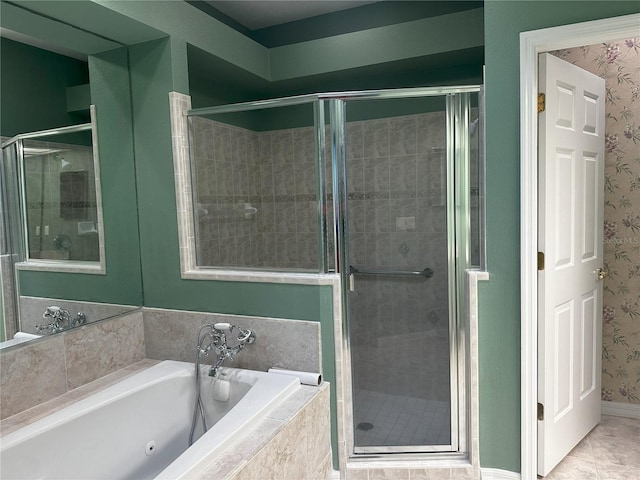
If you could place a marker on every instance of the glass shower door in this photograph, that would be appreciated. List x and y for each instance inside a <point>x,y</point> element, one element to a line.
<point>399,250</point>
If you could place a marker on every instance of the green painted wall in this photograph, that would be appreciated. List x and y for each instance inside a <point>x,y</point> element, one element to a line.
<point>33,88</point>
<point>428,36</point>
<point>34,85</point>
<point>122,283</point>
<point>377,14</point>
<point>499,303</point>
<point>151,67</point>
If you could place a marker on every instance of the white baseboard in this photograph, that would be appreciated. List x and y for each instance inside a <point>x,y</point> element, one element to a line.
<point>335,475</point>
<point>497,474</point>
<point>619,409</point>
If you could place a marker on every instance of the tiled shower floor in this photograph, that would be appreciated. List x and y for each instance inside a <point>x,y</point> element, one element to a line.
<point>384,419</point>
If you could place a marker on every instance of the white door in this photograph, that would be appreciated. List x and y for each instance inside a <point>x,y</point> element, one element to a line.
<point>571,172</point>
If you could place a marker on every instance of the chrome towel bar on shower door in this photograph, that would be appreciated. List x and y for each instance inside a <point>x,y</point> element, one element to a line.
<point>427,272</point>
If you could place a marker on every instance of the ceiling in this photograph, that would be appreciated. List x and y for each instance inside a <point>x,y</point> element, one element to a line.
<point>275,23</point>
<point>257,14</point>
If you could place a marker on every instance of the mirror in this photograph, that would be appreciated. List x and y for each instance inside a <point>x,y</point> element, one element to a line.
<point>60,203</point>
<point>69,247</point>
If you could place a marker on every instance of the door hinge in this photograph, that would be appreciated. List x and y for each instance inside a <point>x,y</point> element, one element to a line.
<point>540,411</point>
<point>541,102</point>
<point>540,260</point>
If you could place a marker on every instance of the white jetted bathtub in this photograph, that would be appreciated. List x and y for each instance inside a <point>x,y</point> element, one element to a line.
<point>139,428</point>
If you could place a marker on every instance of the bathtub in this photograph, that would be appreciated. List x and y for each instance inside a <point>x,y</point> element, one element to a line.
<point>139,428</point>
<point>19,337</point>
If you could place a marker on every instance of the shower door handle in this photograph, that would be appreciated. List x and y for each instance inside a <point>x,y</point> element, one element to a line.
<point>426,273</point>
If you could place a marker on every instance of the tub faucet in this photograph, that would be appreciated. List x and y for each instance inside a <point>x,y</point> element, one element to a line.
<point>60,320</point>
<point>217,336</point>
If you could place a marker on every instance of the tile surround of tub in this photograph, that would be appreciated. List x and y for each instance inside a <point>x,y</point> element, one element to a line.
<point>92,352</point>
<point>31,375</point>
<point>32,308</point>
<point>293,442</point>
<point>45,369</point>
<point>291,344</point>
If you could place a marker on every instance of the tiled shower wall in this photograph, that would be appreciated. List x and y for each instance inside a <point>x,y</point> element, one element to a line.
<point>238,170</point>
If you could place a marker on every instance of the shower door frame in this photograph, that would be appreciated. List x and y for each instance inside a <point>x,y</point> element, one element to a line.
<point>12,243</point>
<point>458,246</point>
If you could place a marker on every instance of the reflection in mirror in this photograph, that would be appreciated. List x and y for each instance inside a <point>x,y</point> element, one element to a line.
<point>60,198</point>
<point>51,220</point>
<point>58,210</point>
<point>54,319</point>
<point>64,185</point>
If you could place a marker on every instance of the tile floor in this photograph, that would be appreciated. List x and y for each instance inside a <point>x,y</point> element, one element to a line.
<point>386,419</point>
<point>610,452</point>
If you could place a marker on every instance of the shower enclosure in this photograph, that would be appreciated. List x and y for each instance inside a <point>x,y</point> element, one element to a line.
<point>406,243</point>
<point>383,188</point>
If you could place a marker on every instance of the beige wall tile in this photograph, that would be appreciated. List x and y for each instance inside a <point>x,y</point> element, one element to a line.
<point>323,471</point>
<point>97,350</point>
<point>357,474</point>
<point>300,450</point>
<point>259,467</point>
<point>464,473</point>
<point>318,424</point>
<point>389,474</point>
<point>431,474</point>
<point>291,344</point>
<point>48,368</point>
<point>31,375</point>
<point>291,450</point>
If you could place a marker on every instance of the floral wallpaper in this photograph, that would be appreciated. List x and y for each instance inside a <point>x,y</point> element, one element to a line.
<point>619,63</point>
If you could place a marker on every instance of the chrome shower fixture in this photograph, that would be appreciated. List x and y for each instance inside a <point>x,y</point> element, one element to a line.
<point>215,338</point>
<point>61,320</point>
